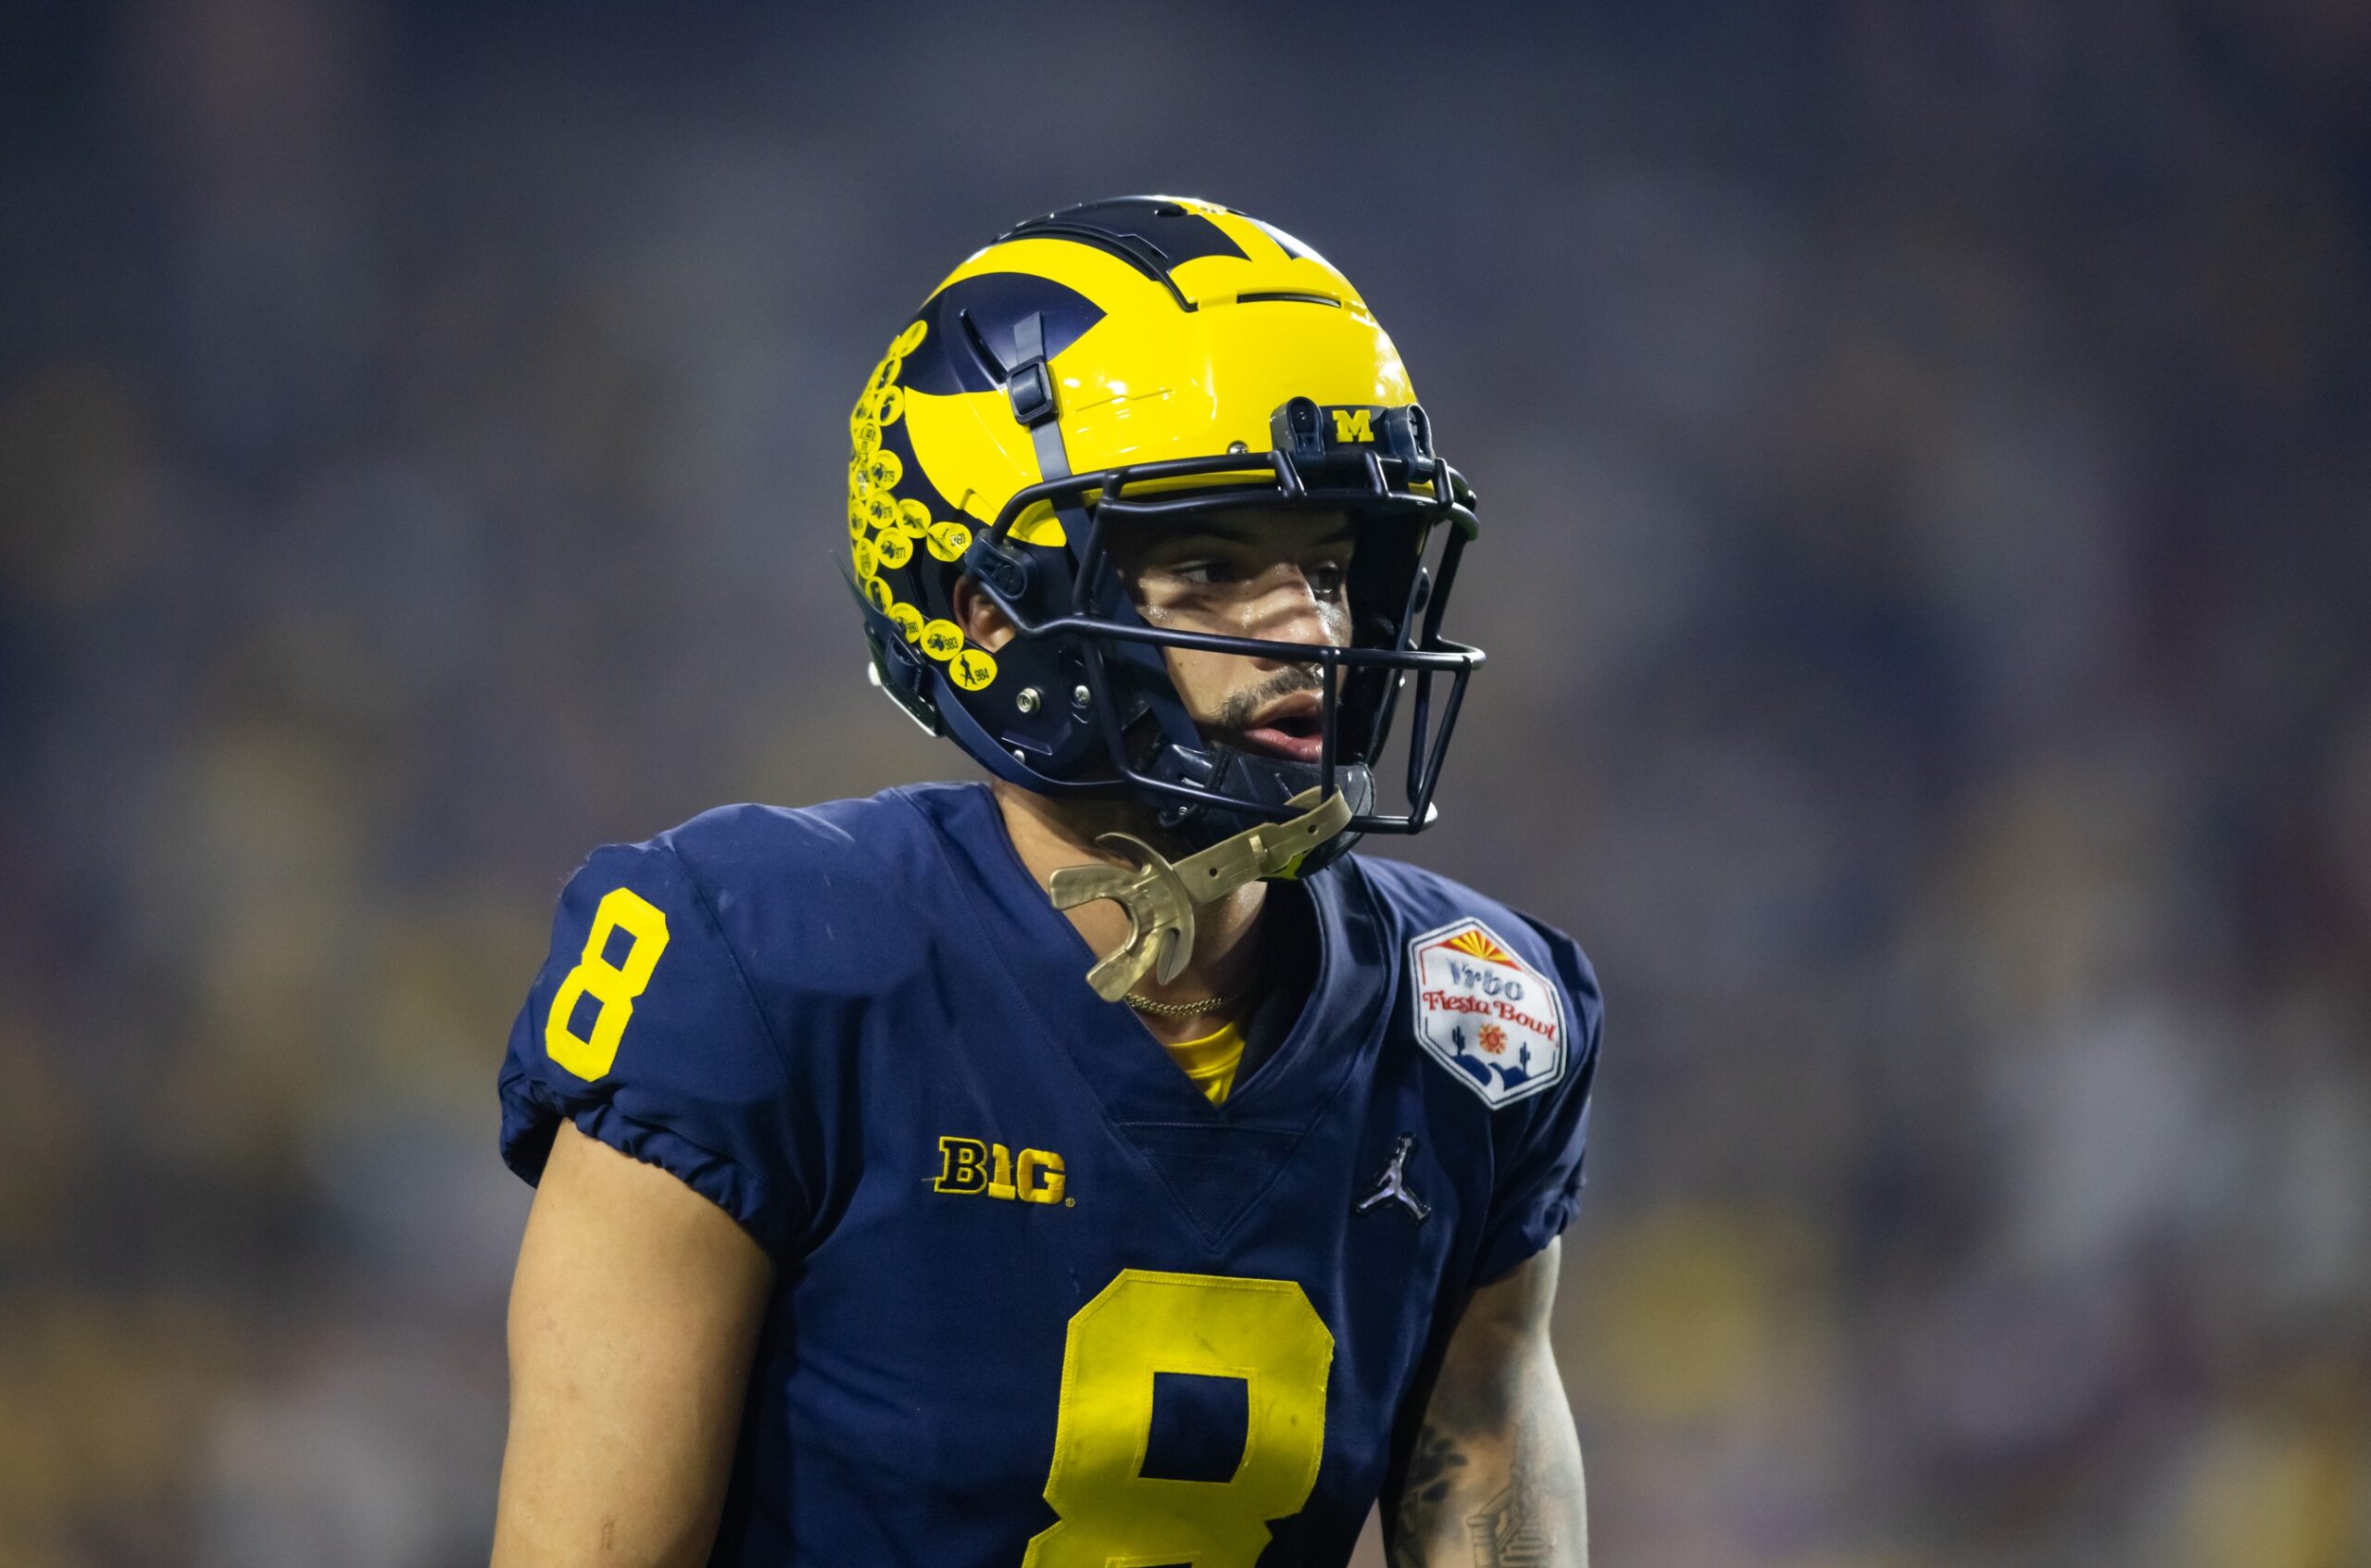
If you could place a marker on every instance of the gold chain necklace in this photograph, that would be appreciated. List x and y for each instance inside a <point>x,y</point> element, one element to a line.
<point>1179,1009</point>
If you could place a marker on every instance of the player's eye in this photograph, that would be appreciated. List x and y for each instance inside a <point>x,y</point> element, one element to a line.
<point>1204,573</point>
<point>1325,578</point>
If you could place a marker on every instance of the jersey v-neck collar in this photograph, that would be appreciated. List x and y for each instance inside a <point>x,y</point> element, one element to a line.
<point>1129,1070</point>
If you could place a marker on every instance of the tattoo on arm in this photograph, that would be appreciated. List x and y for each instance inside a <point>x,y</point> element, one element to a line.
<point>1431,1475</point>
<point>1504,1532</point>
<point>1494,1479</point>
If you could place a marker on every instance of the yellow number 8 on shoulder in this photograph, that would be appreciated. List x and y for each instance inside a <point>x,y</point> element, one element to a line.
<point>613,985</point>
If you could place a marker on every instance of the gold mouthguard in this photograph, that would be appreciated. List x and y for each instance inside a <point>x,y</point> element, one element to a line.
<point>1161,897</point>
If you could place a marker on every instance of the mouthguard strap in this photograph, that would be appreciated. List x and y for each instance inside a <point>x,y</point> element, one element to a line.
<point>1161,897</point>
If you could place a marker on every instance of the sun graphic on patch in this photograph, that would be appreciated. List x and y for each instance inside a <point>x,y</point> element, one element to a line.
<point>1492,1039</point>
<point>1480,944</point>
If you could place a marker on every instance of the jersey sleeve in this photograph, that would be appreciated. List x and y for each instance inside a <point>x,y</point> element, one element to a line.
<point>642,1030</point>
<point>1540,1179</point>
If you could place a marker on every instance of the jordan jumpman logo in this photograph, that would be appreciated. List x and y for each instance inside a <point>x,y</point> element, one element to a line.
<point>1393,1183</point>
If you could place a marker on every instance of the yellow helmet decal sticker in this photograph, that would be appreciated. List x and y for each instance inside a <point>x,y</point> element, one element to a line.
<point>948,540</point>
<point>941,639</point>
<point>971,669</point>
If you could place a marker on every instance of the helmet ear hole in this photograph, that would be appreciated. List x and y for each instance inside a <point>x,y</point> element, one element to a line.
<point>978,616</point>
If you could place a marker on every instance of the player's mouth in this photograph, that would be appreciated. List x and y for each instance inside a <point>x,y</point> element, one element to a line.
<point>1292,727</point>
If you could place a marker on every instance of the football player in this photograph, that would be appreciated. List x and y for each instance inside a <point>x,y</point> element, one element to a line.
<point>1101,1164</point>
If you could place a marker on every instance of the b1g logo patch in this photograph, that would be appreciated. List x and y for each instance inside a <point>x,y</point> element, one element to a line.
<point>1492,1018</point>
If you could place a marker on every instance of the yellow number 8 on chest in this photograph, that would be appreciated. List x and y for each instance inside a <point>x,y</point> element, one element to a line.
<point>1263,1330</point>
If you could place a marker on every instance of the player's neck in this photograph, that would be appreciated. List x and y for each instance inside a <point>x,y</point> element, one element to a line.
<point>1050,834</point>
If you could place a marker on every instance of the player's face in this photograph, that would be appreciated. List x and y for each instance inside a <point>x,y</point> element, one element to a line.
<point>1276,575</point>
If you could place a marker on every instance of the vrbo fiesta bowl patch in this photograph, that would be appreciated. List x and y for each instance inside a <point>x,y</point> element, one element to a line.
<point>1494,1021</point>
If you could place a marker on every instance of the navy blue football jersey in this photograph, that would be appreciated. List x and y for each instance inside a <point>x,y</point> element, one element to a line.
<point>1039,1301</point>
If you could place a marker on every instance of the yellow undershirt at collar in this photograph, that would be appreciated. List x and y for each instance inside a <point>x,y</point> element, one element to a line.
<point>1211,1061</point>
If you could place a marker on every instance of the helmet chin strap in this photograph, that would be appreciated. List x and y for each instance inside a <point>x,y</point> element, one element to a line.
<point>1161,897</point>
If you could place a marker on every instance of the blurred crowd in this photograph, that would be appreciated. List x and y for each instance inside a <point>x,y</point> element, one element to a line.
<point>1926,458</point>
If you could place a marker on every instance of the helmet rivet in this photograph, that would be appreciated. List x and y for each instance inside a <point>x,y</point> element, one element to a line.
<point>1027,700</point>
<point>1237,449</point>
<point>1081,696</point>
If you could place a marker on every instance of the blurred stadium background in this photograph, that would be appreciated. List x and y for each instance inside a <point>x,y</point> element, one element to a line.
<point>1926,462</point>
